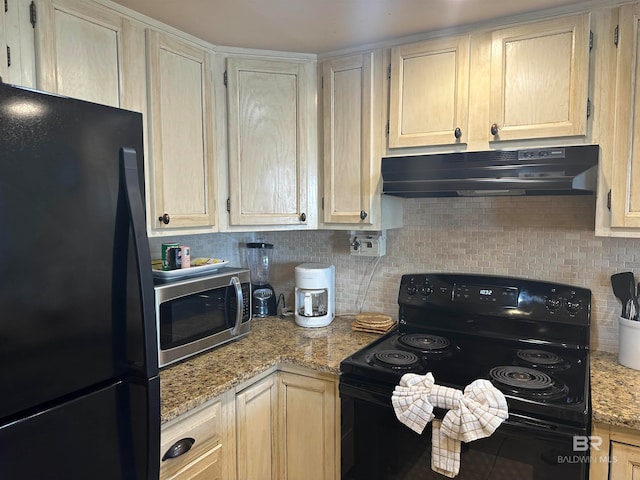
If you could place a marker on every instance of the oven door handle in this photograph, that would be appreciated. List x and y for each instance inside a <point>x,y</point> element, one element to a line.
<point>235,281</point>
<point>544,426</point>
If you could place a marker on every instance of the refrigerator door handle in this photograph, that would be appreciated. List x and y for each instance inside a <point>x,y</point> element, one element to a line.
<point>130,189</point>
<point>130,178</point>
<point>239,305</point>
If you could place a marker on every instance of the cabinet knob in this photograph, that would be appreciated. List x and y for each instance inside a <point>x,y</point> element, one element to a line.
<point>303,217</point>
<point>363,214</point>
<point>164,219</point>
<point>457,132</point>
<point>494,129</point>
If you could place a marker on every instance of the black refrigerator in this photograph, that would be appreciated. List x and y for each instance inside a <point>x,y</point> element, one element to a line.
<point>79,385</point>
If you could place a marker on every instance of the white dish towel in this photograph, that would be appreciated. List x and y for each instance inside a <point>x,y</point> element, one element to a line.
<point>473,414</point>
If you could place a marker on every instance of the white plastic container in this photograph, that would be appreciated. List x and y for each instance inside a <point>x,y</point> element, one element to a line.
<point>629,354</point>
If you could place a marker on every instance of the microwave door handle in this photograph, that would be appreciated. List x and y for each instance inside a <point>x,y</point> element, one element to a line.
<point>239,305</point>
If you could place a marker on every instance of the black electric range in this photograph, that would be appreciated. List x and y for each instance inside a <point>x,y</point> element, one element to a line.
<point>529,338</point>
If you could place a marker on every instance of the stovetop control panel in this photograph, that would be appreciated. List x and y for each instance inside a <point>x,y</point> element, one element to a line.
<point>485,294</point>
<point>497,296</point>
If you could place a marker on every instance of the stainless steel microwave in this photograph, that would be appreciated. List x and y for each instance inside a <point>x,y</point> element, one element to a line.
<point>199,313</point>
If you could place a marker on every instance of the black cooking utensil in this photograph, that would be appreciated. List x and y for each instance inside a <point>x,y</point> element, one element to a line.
<point>623,285</point>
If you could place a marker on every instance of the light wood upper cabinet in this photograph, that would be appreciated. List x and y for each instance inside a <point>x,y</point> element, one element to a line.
<point>348,104</point>
<point>352,131</point>
<point>268,143</point>
<point>17,44</point>
<point>539,78</point>
<point>429,93</point>
<point>625,186</point>
<point>181,131</point>
<point>89,52</point>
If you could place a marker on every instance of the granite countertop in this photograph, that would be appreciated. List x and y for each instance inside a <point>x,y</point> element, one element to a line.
<point>272,341</point>
<point>615,391</point>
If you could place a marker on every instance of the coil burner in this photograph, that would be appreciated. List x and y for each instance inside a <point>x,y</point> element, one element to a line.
<point>396,359</point>
<point>527,382</point>
<point>541,359</point>
<point>425,342</point>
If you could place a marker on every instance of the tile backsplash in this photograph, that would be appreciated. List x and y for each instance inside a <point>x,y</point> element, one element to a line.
<point>542,238</point>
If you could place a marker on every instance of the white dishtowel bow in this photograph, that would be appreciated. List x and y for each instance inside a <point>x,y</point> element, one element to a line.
<point>473,414</point>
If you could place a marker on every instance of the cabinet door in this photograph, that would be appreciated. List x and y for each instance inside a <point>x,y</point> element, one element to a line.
<point>267,157</point>
<point>255,430</point>
<point>429,93</point>
<point>625,188</point>
<point>17,44</point>
<point>539,77</point>
<point>181,147</point>
<point>81,55</point>
<point>348,139</point>
<point>307,427</point>
<point>627,461</point>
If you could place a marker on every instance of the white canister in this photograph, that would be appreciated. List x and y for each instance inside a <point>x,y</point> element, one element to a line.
<point>629,353</point>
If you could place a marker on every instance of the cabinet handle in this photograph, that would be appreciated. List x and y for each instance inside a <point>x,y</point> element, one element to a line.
<point>235,281</point>
<point>363,214</point>
<point>494,129</point>
<point>457,132</point>
<point>164,219</point>
<point>303,217</point>
<point>181,447</point>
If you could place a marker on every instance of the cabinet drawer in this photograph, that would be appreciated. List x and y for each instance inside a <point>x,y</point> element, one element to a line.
<point>204,429</point>
<point>204,467</point>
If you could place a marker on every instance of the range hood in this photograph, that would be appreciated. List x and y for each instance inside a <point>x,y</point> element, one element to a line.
<point>541,171</point>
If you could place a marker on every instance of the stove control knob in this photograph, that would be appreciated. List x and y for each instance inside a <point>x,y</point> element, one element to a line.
<point>426,289</point>
<point>411,288</point>
<point>573,304</point>
<point>553,303</point>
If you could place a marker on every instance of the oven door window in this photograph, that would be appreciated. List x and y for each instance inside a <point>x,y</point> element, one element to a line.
<point>186,319</point>
<point>375,445</point>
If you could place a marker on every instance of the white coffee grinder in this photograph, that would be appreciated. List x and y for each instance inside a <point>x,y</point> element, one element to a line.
<point>315,294</point>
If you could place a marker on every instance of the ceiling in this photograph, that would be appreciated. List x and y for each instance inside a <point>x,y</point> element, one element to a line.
<point>317,26</point>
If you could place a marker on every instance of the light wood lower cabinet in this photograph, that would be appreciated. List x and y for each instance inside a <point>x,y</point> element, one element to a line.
<point>204,436</point>
<point>615,453</point>
<point>627,465</point>
<point>255,434</point>
<point>307,427</point>
<point>287,424</point>
<point>282,424</point>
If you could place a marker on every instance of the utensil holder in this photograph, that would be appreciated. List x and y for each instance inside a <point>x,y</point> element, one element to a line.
<point>629,353</point>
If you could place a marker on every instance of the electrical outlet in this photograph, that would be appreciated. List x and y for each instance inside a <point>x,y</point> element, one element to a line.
<point>368,245</point>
